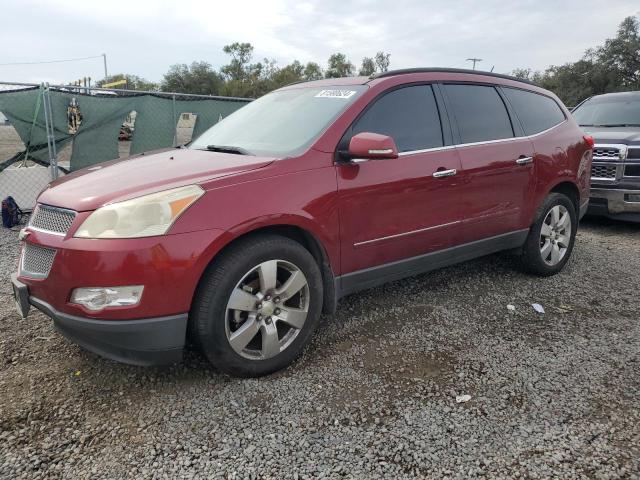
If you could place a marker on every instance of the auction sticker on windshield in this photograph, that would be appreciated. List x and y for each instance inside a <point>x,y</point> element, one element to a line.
<point>336,93</point>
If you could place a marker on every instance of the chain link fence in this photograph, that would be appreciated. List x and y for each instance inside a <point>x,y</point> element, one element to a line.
<point>49,130</point>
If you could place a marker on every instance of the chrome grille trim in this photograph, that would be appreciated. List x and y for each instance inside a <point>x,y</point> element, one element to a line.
<point>52,219</point>
<point>36,261</point>
<point>606,153</point>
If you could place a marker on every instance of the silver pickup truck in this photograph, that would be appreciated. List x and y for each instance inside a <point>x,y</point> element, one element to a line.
<point>613,120</point>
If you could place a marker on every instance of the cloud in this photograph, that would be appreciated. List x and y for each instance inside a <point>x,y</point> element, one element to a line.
<point>146,37</point>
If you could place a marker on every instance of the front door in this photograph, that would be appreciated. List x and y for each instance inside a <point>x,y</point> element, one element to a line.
<point>396,209</point>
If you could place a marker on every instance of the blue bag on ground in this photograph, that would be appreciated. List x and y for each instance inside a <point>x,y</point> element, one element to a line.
<point>10,212</point>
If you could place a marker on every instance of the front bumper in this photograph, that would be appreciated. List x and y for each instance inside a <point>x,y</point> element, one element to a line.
<point>149,341</point>
<point>614,203</point>
<point>169,267</point>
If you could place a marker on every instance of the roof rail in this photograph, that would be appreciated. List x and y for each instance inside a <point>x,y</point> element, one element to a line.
<point>405,71</point>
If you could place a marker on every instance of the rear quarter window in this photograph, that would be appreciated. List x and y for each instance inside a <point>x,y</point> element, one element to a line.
<point>536,112</point>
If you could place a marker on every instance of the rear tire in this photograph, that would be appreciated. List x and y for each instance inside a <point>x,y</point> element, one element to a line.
<point>551,237</point>
<point>257,306</point>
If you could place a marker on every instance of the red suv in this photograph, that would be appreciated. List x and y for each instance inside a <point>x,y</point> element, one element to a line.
<point>305,195</point>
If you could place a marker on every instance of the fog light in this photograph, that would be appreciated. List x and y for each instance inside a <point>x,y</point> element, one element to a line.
<point>97,298</point>
<point>633,198</point>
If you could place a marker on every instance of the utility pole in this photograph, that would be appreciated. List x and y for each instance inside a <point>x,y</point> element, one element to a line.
<point>474,60</point>
<point>104,57</point>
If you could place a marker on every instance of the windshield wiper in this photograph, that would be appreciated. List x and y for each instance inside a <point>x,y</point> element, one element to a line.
<point>228,149</point>
<point>619,125</point>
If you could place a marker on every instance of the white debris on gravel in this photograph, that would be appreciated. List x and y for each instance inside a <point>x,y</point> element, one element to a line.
<point>556,396</point>
<point>463,398</point>
<point>538,308</point>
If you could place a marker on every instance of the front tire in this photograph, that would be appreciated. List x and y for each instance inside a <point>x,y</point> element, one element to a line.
<point>258,305</point>
<point>552,236</point>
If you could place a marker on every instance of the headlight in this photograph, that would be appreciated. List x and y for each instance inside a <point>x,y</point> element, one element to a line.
<point>146,216</point>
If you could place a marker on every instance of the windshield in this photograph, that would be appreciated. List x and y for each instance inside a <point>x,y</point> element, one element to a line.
<point>282,123</point>
<point>620,111</point>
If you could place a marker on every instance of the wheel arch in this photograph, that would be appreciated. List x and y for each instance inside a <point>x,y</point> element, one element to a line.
<point>299,234</point>
<point>571,190</point>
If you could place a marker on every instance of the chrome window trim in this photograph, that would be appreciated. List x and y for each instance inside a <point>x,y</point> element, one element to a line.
<point>486,142</point>
<point>426,150</point>
<point>548,129</point>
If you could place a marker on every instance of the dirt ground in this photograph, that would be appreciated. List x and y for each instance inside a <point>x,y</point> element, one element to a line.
<point>553,395</point>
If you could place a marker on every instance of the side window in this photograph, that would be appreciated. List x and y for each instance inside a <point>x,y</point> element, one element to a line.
<point>480,113</point>
<point>409,115</point>
<point>537,112</point>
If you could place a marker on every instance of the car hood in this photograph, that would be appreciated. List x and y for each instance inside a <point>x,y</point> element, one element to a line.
<point>622,135</point>
<point>118,180</point>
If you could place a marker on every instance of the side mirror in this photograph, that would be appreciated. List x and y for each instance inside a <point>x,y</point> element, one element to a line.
<point>371,146</point>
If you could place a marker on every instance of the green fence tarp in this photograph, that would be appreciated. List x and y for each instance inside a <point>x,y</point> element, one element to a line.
<point>157,121</point>
<point>24,110</point>
<point>102,116</point>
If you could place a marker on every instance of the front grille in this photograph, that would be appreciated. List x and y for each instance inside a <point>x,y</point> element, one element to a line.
<point>606,153</point>
<point>51,219</point>
<point>603,171</point>
<point>36,260</point>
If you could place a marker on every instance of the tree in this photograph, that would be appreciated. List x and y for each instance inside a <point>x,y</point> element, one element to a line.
<point>368,67</point>
<point>382,61</point>
<point>378,64</point>
<point>134,82</point>
<point>241,54</point>
<point>522,73</point>
<point>612,67</point>
<point>199,78</point>
<point>339,66</point>
<point>312,71</point>
<point>243,78</point>
<point>294,72</point>
<point>622,53</point>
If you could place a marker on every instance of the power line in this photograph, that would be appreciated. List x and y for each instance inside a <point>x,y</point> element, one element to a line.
<point>51,61</point>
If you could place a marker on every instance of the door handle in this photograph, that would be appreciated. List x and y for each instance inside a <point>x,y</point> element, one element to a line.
<point>445,173</point>
<point>524,160</point>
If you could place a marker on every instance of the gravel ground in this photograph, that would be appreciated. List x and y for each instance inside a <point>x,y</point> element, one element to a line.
<point>553,395</point>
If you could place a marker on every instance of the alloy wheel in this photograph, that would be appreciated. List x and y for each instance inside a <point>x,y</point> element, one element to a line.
<point>555,235</point>
<point>267,309</point>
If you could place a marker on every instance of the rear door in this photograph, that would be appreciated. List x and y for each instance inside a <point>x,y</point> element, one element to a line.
<point>396,209</point>
<point>497,161</point>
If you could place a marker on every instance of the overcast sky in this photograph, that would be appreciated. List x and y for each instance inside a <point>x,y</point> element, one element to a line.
<point>146,37</point>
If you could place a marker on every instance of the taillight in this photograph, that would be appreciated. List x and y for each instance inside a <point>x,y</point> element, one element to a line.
<point>590,141</point>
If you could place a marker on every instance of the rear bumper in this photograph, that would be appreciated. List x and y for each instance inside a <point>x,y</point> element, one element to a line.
<point>614,203</point>
<point>150,341</point>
